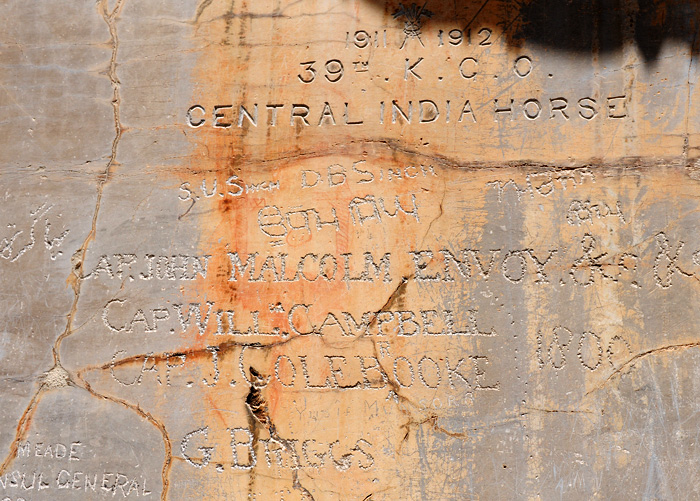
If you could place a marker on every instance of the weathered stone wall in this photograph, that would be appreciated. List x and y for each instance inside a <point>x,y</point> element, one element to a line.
<point>349,250</point>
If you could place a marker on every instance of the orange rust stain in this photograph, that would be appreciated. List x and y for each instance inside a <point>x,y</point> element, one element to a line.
<point>226,74</point>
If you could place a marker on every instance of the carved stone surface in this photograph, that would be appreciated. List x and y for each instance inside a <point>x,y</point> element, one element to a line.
<point>349,250</point>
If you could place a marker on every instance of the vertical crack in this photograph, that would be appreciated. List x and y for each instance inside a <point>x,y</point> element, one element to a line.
<point>58,377</point>
<point>257,406</point>
<point>168,460</point>
<point>21,430</point>
<point>78,258</point>
<point>689,97</point>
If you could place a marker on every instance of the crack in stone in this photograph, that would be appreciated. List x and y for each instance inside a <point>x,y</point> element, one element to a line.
<point>200,10</point>
<point>430,418</point>
<point>257,406</point>
<point>629,163</point>
<point>297,485</point>
<point>246,14</point>
<point>636,358</point>
<point>442,201</point>
<point>168,461</point>
<point>78,258</point>
<point>57,376</point>
<point>558,411</point>
<point>395,387</point>
<point>689,97</point>
<point>222,348</point>
<point>21,430</point>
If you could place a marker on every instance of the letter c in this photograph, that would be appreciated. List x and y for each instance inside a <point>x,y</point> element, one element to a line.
<point>189,116</point>
<point>105,315</point>
<point>291,320</point>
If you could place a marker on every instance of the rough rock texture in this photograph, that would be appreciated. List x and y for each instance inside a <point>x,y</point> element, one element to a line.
<point>349,250</point>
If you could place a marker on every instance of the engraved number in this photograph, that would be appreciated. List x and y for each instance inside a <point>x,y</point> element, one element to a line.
<point>334,71</point>
<point>455,37</point>
<point>308,68</point>
<point>361,39</point>
<point>334,68</point>
<point>486,32</point>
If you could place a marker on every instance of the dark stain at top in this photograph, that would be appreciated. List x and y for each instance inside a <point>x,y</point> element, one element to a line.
<point>570,25</point>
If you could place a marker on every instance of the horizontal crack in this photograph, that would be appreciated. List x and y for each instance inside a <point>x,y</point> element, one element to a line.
<point>560,411</point>
<point>630,164</point>
<point>222,348</point>
<point>636,358</point>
